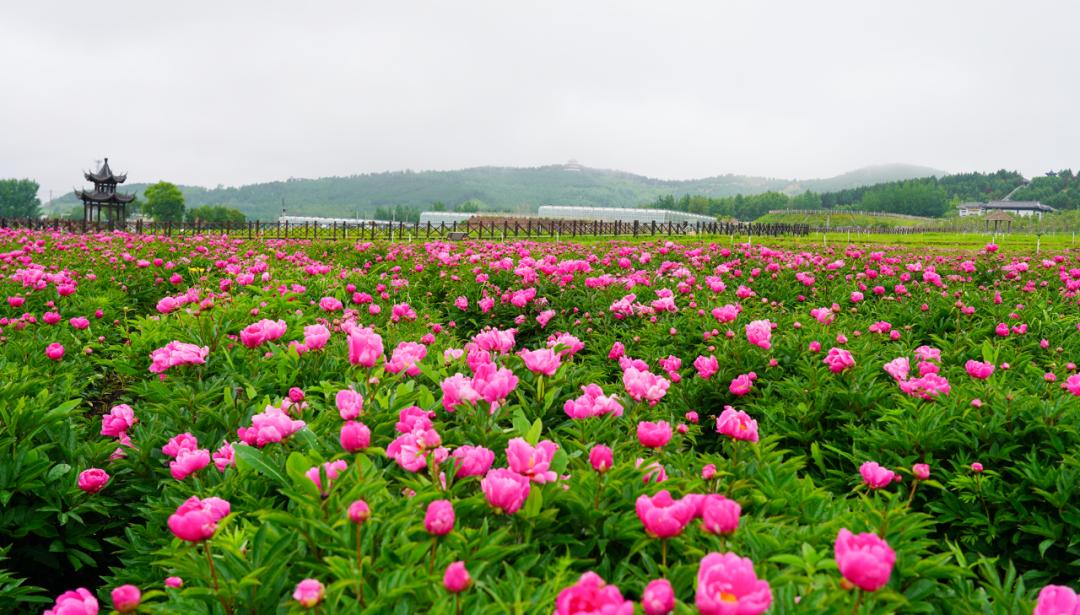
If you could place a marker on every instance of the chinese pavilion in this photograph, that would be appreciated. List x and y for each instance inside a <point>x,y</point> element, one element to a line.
<point>104,196</point>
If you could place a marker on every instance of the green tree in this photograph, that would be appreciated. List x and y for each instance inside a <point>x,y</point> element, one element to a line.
<point>18,198</point>
<point>164,202</point>
<point>215,214</point>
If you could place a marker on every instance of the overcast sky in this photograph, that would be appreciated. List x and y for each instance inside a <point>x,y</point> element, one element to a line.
<point>238,92</point>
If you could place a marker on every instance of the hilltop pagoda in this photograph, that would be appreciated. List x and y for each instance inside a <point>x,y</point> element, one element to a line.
<point>104,196</point>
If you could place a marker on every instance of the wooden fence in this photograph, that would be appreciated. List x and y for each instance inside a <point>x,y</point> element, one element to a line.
<point>406,231</point>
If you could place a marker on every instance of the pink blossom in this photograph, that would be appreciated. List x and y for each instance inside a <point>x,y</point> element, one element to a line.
<point>316,336</point>
<point>309,593</point>
<point>543,361</point>
<point>899,368</point>
<point>505,490</point>
<point>979,369</point>
<point>875,476</point>
<point>405,358</point>
<point>601,458</point>
<point>865,559</point>
<point>180,442</point>
<point>78,602</point>
<point>727,585</point>
<point>263,331</point>
<point>176,353</point>
<point>839,360</point>
<point>332,469</point>
<point>125,598</point>
<point>119,419</point>
<point>706,366</point>
<point>93,480</point>
<point>644,385</point>
<point>365,347</point>
<point>189,461</point>
<point>921,471</point>
<point>271,425</point>
<point>653,435</point>
<point>55,351</point>
<point>354,436</point>
<point>224,457</point>
<point>1057,600</point>
<point>350,404</point>
<point>658,597</point>
<point>472,460</point>
<point>196,520</point>
<point>591,596</point>
<point>741,385</point>
<point>456,579</point>
<point>532,461</point>
<point>759,333</point>
<point>737,425</point>
<point>719,515</point>
<point>662,515</point>
<point>592,403</point>
<point>493,383</point>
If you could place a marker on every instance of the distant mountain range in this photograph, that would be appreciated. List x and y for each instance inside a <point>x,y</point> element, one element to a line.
<point>498,188</point>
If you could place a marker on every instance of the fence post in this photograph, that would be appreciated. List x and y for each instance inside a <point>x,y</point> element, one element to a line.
<point>635,228</point>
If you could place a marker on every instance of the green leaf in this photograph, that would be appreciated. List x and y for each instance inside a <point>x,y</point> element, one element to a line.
<point>249,457</point>
<point>534,502</point>
<point>533,435</point>
<point>57,471</point>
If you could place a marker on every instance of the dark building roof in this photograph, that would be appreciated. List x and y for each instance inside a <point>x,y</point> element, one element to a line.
<point>105,175</point>
<point>104,197</point>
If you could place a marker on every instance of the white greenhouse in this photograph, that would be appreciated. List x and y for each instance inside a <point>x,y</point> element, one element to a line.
<point>620,214</point>
<point>444,217</point>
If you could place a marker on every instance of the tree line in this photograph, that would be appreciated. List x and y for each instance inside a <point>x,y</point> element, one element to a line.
<point>932,197</point>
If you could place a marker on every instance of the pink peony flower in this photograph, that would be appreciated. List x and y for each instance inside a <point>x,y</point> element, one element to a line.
<point>979,369</point>
<point>456,579</point>
<point>601,458</point>
<point>643,385</point>
<point>658,597</point>
<point>505,490</point>
<point>316,336</point>
<point>458,390</point>
<point>472,460</point>
<point>92,480</point>
<point>350,404</point>
<point>126,598</point>
<point>544,361</point>
<point>493,383</point>
<point>737,425</point>
<point>727,585</point>
<point>921,471</point>
<point>591,596</point>
<point>174,582</point>
<point>263,331</point>
<point>189,461</point>
<point>332,469</point>
<point>706,366</point>
<point>55,351</point>
<point>224,457</point>
<point>1072,384</point>
<point>899,368</point>
<point>741,385</point>
<point>439,518</point>
<point>592,403</point>
<point>1057,600</point>
<point>196,520</point>
<point>119,419</point>
<point>759,333</point>
<point>354,436</point>
<point>531,461</point>
<point>309,593</point>
<point>719,515</point>
<point>365,347</point>
<point>876,476</point>
<point>839,360</point>
<point>78,602</point>
<point>176,353</point>
<point>663,516</point>
<point>359,512</point>
<point>653,435</point>
<point>865,560</point>
<point>405,358</point>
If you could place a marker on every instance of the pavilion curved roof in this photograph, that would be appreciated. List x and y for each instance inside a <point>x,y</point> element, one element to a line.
<point>105,175</point>
<point>104,197</point>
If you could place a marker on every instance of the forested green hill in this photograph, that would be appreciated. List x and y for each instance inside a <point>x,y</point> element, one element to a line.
<point>492,188</point>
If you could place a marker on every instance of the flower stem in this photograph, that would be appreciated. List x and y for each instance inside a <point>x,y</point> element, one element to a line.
<point>663,554</point>
<point>434,544</point>
<point>213,577</point>
<point>858,600</point>
<point>359,567</point>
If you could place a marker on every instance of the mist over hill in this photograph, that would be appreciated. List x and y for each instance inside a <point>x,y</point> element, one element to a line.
<point>495,188</point>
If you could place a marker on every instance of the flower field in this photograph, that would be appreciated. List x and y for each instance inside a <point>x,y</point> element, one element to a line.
<point>214,425</point>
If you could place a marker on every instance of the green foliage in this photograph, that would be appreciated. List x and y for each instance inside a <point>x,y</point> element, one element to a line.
<point>164,202</point>
<point>1060,190</point>
<point>18,198</point>
<point>215,214</point>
